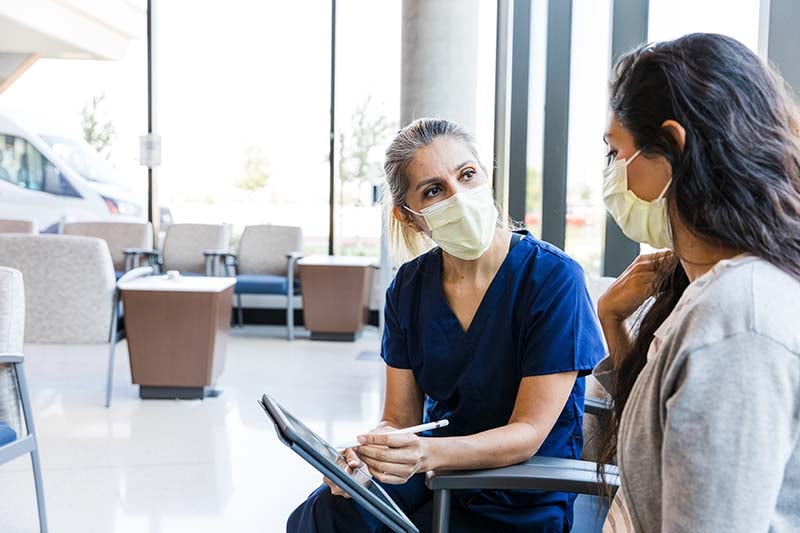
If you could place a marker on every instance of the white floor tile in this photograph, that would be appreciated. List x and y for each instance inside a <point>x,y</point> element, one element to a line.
<point>172,466</point>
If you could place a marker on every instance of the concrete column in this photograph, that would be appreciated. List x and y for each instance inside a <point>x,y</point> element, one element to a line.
<point>439,61</point>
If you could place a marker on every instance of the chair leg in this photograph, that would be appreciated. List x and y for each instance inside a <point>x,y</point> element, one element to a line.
<point>27,411</point>
<point>441,511</point>
<point>37,479</point>
<point>239,312</point>
<point>111,349</point>
<point>290,315</point>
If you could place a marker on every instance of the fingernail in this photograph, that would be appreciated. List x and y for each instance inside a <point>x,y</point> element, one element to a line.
<point>362,439</point>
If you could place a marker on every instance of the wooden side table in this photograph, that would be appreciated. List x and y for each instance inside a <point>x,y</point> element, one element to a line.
<point>336,295</point>
<point>177,332</point>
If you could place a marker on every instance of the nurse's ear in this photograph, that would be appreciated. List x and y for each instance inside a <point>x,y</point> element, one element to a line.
<point>406,219</point>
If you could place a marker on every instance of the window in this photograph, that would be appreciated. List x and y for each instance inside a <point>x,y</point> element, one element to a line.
<point>244,116</point>
<point>367,117</point>
<point>670,19</point>
<point>536,97</point>
<point>588,105</point>
<point>22,164</point>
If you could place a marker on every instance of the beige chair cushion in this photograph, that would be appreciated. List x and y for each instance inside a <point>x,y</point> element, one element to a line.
<point>12,328</point>
<point>263,249</point>
<point>69,286</point>
<point>17,226</point>
<point>118,236</point>
<point>185,243</point>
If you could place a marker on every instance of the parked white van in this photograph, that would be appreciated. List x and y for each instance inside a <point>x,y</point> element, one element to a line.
<point>51,178</point>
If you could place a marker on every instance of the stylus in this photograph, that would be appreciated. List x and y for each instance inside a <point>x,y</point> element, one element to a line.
<point>413,429</point>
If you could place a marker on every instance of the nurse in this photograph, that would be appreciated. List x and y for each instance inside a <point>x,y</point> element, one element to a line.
<point>490,329</point>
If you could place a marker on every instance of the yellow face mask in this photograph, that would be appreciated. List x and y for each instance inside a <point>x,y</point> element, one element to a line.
<point>463,225</point>
<point>640,220</point>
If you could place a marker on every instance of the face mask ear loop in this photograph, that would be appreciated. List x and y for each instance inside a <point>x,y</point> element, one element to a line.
<point>664,191</point>
<point>634,156</point>
<point>412,211</point>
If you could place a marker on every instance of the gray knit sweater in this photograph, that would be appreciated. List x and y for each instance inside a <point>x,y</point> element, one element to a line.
<point>709,436</point>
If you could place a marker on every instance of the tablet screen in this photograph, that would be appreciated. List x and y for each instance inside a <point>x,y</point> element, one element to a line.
<point>323,448</point>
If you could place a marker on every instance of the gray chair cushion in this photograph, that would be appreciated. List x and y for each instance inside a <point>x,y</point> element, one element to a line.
<point>118,236</point>
<point>17,226</point>
<point>12,327</point>
<point>69,286</point>
<point>184,245</point>
<point>263,249</point>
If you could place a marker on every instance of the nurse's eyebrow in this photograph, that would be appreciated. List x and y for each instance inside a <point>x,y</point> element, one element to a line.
<point>434,179</point>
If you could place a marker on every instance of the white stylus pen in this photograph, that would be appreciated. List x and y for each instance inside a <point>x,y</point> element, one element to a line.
<point>413,429</point>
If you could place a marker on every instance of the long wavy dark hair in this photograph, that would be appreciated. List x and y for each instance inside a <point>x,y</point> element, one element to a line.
<point>735,183</point>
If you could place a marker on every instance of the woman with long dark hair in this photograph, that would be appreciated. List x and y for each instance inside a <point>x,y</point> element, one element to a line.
<point>704,160</point>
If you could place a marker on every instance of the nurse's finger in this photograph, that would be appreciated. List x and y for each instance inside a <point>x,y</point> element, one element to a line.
<point>389,479</point>
<point>353,461</point>
<point>378,468</point>
<point>388,455</point>
<point>335,490</point>
<point>388,439</point>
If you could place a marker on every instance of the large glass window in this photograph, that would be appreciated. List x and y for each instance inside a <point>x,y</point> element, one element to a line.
<point>82,111</point>
<point>537,77</point>
<point>244,114</point>
<point>367,116</point>
<point>670,19</point>
<point>588,105</point>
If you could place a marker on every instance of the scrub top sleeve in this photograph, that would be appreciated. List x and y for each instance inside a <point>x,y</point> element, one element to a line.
<point>394,349</point>
<point>562,334</point>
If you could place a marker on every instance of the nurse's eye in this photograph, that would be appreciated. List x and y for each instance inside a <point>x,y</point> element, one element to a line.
<point>431,192</point>
<point>468,174</point>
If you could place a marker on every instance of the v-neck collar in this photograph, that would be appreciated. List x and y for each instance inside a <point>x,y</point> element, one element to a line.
<point>497,287</point>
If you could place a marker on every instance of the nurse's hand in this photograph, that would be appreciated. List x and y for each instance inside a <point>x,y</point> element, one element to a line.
<point>393,459</point>
<point>353,462</point>
<point>631,288</point>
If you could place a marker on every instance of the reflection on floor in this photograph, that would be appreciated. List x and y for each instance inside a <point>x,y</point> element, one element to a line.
<point>195,466</point>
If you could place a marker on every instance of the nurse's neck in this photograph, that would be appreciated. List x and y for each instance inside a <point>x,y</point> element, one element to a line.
<point>480,270</point>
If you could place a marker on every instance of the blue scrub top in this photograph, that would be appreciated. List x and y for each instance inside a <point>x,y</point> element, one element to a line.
<point>536,318</point>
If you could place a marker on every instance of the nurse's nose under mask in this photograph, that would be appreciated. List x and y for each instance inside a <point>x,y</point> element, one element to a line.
<point>640,220</point>
<point>463,225</point>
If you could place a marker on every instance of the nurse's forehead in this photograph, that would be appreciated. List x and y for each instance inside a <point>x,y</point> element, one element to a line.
<point>442,154</point>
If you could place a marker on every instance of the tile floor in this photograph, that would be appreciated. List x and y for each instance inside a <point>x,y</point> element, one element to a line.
<point>185,466</point>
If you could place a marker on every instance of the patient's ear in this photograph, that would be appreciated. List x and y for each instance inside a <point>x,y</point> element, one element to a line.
<point>677,131</point>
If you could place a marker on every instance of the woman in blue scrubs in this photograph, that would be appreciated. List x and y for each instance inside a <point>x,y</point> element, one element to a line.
<point>492,330</point>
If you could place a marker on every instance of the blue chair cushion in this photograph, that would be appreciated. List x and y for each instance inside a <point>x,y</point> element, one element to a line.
<point>7,435</point>
<point>118,274</point>
<point>263,284</point>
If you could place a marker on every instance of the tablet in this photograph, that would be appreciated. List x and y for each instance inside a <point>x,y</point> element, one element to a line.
<point>358,484</point>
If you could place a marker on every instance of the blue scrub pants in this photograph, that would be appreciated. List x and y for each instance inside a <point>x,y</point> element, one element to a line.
<point>323,512</point>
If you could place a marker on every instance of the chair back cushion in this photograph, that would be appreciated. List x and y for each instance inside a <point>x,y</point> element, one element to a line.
<point>263,249</point>
<point>17,226</point>
<point>184,245</point>
<point>69,286</point>
<point>118,236</point>
<point>12,329</point>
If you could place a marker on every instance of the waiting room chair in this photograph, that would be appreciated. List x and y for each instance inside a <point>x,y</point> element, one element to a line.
<point>70,289</point>
<point>15,405</point>
<point>17,226</point>
<point>119,236</point>
<point>538,473</point>
<point>183,248</point>
<point>265,264</point>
